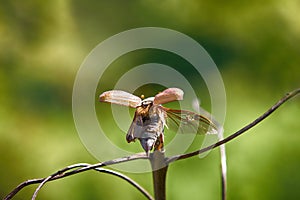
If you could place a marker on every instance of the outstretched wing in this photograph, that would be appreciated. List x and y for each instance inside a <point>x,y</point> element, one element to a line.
<point>183,121</point>
<point>168,95</point>
<point>121,98</point>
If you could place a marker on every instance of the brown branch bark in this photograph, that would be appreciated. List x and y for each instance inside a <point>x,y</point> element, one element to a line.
<point>159,173</point>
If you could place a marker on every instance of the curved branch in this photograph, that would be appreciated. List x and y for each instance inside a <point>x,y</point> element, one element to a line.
<point>239,132</point>
<point>40,180</point>
<point>56,174</point>
<point>65,172</point>
<point>129,180</point>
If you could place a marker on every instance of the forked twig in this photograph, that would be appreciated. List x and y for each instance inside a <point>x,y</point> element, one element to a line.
<point>81,167</point>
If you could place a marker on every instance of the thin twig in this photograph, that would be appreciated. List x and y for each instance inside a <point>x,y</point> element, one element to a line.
<point>21,186</point>
<point>239,132</point>
<point>40,180</point>
<point>56,174</point>
<point>107,171</point>
<point>63,172</point>
<point>129,180</point>
<point>40,187</point>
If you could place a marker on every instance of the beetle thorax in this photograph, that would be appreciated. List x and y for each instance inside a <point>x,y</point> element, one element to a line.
<point>145,107</point>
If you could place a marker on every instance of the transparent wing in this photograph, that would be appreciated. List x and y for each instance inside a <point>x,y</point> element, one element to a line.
<point>121,98</point>
<point>183,121</point>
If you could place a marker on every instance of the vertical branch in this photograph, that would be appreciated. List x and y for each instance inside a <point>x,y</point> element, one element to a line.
<point>159,172</point>
<point>223,169</point>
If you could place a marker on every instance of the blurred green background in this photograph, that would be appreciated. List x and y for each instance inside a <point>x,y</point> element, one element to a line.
<point>255,46</point>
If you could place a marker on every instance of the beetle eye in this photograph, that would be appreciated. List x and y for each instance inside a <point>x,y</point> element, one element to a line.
<point>144,105</point>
